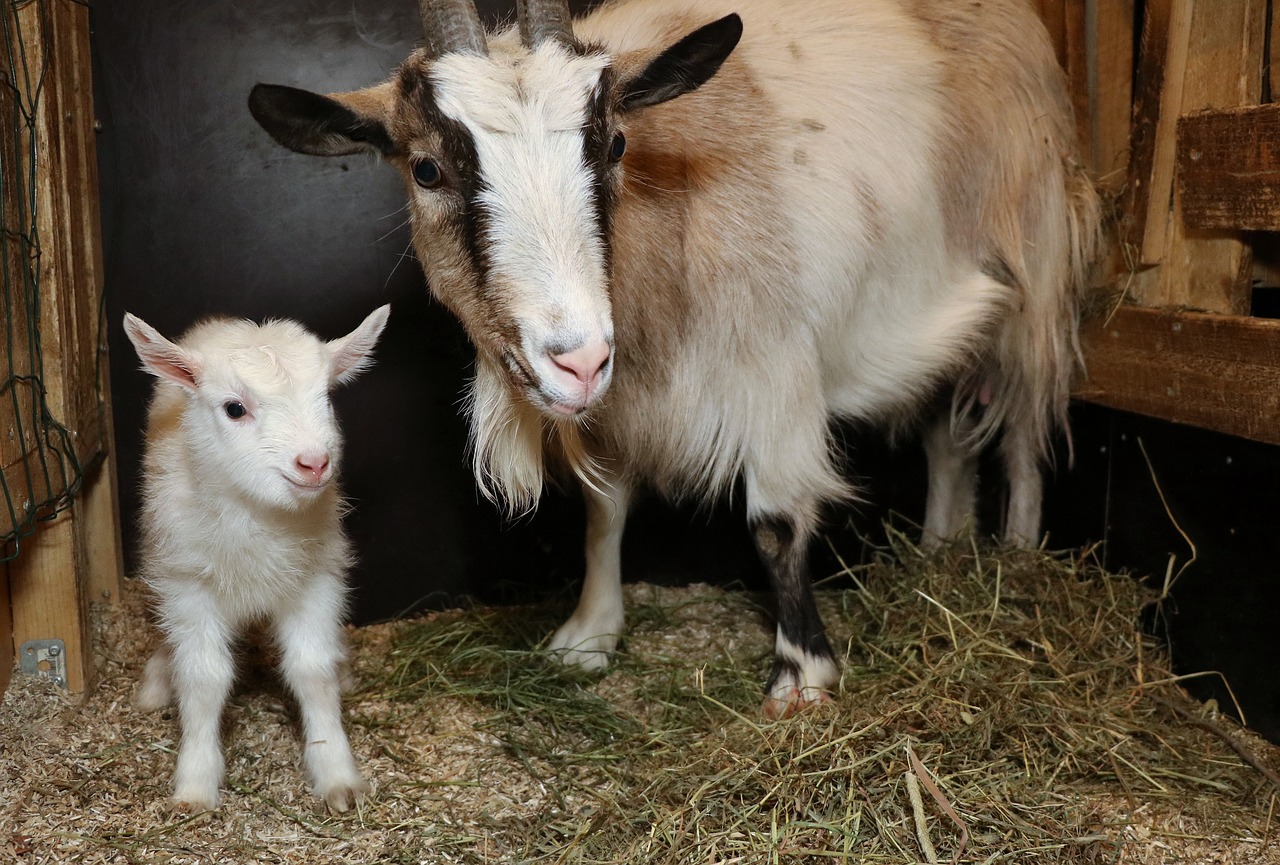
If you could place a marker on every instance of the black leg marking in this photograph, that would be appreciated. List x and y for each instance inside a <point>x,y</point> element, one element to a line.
<point>785,554</point>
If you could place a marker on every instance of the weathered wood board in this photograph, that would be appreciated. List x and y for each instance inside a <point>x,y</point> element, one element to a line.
<point>1211,57</point>
<point>1219,372</point>
<point>49,583</point>
<point>1229,168</point>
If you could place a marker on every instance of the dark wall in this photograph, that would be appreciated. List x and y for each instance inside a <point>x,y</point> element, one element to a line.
<point>203,214</point>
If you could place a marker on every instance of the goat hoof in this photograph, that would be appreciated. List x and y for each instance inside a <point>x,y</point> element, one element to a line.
<point>784,705</point>
<point>584,647</point>
<point>343,797</point>
<point>192,802</point>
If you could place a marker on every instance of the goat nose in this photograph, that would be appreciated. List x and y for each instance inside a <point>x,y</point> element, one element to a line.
<point>584,363</point>
<point>314,464</point>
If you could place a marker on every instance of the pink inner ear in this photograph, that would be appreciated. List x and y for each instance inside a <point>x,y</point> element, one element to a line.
<point>351,353</point>
<point>167,361</point>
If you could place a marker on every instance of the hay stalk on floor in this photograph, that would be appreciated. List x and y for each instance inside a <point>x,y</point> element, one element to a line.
<point>994,708</point>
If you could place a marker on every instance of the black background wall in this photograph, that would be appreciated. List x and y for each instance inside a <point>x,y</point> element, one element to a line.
<point>203,214</point>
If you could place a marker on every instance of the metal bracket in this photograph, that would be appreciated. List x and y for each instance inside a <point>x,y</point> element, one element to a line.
<point>46,658</point>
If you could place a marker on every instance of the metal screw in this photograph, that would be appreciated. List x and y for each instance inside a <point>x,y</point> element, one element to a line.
<point>54,651</point>
<point>59,681</point>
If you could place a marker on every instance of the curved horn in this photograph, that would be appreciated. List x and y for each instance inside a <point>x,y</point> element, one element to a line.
<point>541,20</point>
<point>452,26</point>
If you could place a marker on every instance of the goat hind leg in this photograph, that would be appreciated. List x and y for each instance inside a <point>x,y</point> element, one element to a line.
<point>953,484</point>
<point>155,690</point>
<point>1021,455</point>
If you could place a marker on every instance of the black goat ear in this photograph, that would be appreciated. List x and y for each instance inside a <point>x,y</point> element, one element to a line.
<point>685,66</point>
<point>333,125</point>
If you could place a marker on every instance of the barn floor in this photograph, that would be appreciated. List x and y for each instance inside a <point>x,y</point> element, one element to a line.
<point>994,708</point>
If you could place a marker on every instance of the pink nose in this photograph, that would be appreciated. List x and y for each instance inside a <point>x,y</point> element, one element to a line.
<point>583,367</point>
<point>313,464</point>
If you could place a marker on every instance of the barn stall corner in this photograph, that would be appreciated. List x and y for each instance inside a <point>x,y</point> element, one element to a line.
<point>993,705</point>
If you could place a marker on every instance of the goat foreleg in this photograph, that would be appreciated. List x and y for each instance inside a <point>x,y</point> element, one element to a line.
<point>804,667</point>
<point>591,634</point>
<point>311,640</point>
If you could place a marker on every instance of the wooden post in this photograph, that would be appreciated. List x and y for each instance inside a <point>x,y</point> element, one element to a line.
<point>1111,90</point>
<point>78,553</point>
<point>1213,58</point>
<point>6,631</point>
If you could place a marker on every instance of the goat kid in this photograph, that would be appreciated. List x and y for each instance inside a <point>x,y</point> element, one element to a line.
<point>241,521</point>
<point>685,236</point>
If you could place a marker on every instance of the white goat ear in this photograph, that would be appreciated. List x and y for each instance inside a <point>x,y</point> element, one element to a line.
<point>352,354</point>
<point>160,357</point>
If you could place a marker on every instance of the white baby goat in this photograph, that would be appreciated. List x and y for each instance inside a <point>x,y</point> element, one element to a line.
<point>241,521</point>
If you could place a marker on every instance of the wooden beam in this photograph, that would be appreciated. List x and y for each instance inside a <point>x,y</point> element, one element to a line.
<point>6,629</point>
<point>1222,68</point>
<point>1218,372</point>
<point>1111,90</point>
<point>1157,97</point>
<point>47,599</point>
<point>1229,168</point>
<point>78,552</point>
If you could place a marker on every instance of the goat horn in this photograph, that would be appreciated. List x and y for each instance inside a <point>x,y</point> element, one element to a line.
<point>452,26</point>
<point>541,20</point>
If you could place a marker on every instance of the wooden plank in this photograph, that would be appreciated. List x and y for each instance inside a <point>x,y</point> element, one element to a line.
<point>1218,372</point>
<point>80,354</point>
<point>1272,73</point>
<point>1157,97</point>
<point>1223,68</point>
<point>70,288</point>
<point>1111,91</point>
<point>19,410</point>
<point>47,599</point>
<point>1229,168</point>
<point>99,516</point>
<point>6,630</point>
<point>1075,63</point>
<point>78,552</point>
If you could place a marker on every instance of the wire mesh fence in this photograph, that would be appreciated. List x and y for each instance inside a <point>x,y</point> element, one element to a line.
<point>40,472</point>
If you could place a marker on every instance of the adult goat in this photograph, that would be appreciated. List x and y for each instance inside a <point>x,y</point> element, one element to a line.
<point>863,210</point>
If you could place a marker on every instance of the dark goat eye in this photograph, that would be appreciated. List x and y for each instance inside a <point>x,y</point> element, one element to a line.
<point>618,147</point>
<point>234,410</point>
<point>426,173</point>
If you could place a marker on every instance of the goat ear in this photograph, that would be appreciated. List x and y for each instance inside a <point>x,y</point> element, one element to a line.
<point>334,125</point>
<point>159,356</point>
<point>352,354</point>
<point>685,66</point>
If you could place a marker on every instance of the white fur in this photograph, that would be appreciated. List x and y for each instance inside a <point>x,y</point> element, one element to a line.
<point>237,529</point>
<point>544,249</point>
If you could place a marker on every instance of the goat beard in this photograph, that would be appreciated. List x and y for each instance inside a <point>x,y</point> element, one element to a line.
<point>511,441</point>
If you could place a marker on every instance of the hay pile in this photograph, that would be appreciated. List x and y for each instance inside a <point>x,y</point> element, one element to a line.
<point>993,709</point>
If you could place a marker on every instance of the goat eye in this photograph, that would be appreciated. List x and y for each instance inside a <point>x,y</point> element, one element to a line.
<point>234,410</point>
<point>618,147</point>
<point>426,173</point>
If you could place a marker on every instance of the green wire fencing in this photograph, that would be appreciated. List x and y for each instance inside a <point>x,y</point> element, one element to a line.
<point>40,472</point>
